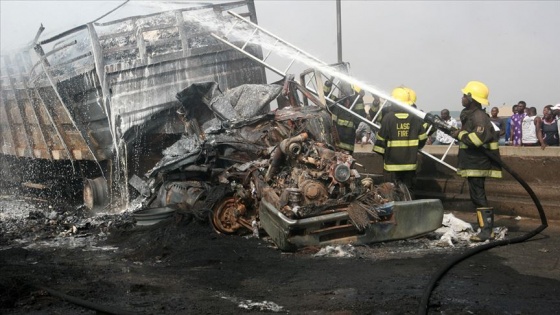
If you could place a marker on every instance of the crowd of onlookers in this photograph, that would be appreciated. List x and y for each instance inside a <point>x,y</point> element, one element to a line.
<point>526,128</point>
<point>523,128</point>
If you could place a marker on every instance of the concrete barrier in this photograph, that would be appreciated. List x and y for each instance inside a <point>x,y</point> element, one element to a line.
<point>539,168</point>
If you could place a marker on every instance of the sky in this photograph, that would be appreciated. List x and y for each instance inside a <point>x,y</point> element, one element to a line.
<point>433,47</point>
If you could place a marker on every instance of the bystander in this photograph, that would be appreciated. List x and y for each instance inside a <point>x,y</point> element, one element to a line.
<point>498,122</point>
<point>549,128</point>
<point>443,138</point>
<point>516,121</point>
<point>508,135</point>
<point>556,113</point>
<point>531,123</point>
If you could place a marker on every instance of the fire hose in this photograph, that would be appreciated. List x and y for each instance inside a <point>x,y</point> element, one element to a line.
<point>437,122</point>
<point>99,308</point>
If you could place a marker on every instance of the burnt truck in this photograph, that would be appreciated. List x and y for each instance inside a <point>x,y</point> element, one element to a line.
<point>101,103</point>
<point>82,110</point>
<point>250,170</point>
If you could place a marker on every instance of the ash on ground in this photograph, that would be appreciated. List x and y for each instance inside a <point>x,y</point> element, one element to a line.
<point>29,223</point>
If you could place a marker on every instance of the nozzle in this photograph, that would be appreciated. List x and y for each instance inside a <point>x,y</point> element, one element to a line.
<point>439,123</point>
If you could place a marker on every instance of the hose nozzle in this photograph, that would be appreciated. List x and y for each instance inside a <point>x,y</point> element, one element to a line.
<point>439,123</point>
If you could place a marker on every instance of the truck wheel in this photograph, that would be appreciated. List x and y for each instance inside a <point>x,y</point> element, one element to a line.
<point>225,215</point>
<point>96,193</point>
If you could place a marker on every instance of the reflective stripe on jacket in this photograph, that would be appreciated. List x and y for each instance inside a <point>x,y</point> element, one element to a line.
<point>346,124</point>
<point>398,140</point>
<point>477,134</point>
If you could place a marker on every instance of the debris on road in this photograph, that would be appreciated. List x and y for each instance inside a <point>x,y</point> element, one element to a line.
<point>456,231</point>
<point>339,251</point>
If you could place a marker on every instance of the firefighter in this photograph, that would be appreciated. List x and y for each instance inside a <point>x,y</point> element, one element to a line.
<point>344,122</point>
<point>327,88</point>
<point>477,142</point>
<point>398,140</point>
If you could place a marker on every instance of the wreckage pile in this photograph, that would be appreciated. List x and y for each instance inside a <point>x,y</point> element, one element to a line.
<point>247,169</point>
<point>235,152</point>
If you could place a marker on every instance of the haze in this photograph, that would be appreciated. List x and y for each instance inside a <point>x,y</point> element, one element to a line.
<point>434,47</point>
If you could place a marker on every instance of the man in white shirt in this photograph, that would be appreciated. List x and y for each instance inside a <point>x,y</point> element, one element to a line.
<point>441,137</point>
<point>556,112</point>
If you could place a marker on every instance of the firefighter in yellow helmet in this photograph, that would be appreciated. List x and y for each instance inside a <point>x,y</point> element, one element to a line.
<point>405,95</point>
<point>477,140</point>
<point>398,140</point>
<point>346,123</point>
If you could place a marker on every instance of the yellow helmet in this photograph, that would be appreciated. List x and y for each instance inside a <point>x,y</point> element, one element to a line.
<point>404,94</point>
<point>478,91</point>
<point>356,88</point>
<point>412,95</point>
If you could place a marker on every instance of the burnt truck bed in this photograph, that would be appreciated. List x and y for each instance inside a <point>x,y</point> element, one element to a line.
<point>80,95</point>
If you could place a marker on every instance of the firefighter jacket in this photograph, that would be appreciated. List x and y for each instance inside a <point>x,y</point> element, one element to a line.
<point>327,91</point>
<point>477,134</point>
<point>346,123</point>
<point>399,139</point>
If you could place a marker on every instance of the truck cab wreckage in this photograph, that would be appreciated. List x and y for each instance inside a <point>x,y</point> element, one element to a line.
<point>278,171</point>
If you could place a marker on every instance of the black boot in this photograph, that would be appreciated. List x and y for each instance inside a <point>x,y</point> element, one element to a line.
<point>486,222</point>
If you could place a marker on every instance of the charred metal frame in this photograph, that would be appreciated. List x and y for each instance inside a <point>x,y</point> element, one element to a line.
<point>33,80</point>
<point>97,89</point>
<point>28,138</point>
<point>316,74</point>
<point>409,219</point>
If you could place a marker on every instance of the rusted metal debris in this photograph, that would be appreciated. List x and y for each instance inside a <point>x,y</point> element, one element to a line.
<point>251,169</point>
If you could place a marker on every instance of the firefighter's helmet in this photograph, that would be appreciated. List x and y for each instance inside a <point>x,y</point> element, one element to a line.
<point>404,94</point>
<point>478,91</point>
<point>356,88</point>
<point>412,95</point>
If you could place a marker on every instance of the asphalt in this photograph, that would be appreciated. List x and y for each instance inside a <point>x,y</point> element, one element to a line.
<point>538,256</point>
<point>179,267</point>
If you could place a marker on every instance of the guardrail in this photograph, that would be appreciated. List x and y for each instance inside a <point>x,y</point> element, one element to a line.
<point>536,166</point>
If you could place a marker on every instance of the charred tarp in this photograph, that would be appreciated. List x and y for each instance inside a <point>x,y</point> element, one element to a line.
<point>255,169</point>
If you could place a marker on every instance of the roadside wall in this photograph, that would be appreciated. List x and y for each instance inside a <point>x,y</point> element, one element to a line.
<point>539,168</point>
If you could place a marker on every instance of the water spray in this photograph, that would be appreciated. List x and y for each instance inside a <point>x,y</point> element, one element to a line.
<point>226,28</point>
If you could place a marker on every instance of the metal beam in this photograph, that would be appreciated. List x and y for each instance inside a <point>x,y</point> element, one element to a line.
<point>102,76</point>
<point>28,134</point>
<point>10,134</point>
<point>34,103</point>
<point>339,30</point>
<point>39,50</point>
<point>34,106</point>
